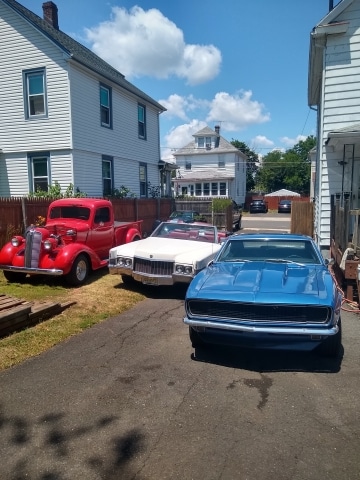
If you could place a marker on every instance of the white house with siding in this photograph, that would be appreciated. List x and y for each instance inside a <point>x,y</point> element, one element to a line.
<point>210,166</point>
<point>334,91</point>
<point>67,116</point>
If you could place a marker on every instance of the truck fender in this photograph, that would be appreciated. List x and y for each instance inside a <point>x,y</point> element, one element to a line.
<point>132,235</point>
<point>8,252</point>
<point>66,257</point>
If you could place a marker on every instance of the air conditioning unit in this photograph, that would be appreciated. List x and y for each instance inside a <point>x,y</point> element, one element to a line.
<point>208,146</point>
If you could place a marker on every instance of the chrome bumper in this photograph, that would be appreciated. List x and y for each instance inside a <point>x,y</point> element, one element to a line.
<point>218,325</point>
<point>148,279</point>
<point>37,271</point>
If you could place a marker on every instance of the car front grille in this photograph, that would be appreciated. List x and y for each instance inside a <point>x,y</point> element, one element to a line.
<point>236,311</point>
<point>32,248</point>
<point>153,267</point>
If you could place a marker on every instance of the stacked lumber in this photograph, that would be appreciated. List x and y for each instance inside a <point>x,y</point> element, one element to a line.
<point>17,314</point>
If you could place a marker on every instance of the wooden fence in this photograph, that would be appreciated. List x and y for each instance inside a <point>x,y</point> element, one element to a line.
<point>18,213</point>
<point>302,218</point>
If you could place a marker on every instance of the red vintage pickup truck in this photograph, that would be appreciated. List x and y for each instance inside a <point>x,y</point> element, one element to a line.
<point>75,239</point>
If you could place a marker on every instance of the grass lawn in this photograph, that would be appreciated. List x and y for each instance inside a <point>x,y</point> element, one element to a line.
<point>103,296</point>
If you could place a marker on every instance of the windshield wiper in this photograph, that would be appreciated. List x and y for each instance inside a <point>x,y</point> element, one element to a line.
<point>235,260</point>
<point>283,260</point>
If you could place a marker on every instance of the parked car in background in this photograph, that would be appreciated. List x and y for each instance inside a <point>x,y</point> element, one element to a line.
<point>258,206</point>
<point>284,206</point>
<point>266,290</point>
<point>174,253</point>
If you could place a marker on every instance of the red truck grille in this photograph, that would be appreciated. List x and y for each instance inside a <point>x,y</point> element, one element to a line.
<point>32,248</point>
<point>156,267</point>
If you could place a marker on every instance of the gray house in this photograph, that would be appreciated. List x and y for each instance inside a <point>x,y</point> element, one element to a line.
<point>334,92</point>
<point>67,116</point>
<point>210,166</point>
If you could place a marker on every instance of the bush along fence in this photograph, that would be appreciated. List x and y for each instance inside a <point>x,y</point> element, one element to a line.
<point>17,213</point>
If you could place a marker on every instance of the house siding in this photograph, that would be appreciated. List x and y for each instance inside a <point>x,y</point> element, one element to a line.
<point>339,107</point>
<point>71,132</point>
<point>23,51</point>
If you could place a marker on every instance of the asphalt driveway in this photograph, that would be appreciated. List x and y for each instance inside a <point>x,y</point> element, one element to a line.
<point>130,399</point>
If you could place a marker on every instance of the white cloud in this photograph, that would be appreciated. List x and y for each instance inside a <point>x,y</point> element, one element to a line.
<point>290,142</point>
<point>261,141</point>
<point>176,106</point>
<point>180,136</point>
<point>236,112</point>
<point>146,43</point>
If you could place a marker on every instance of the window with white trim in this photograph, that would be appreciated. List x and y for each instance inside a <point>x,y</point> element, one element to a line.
<point>221,161</point>
<point>35,93</point>
<point>143,179</point>
<point>40,178</point>
<point>222,188</point>
<point>107,175</point>
<point>142,121</point>
<point>105,106</point>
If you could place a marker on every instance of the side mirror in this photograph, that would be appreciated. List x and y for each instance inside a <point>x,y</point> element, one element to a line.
<point>329,261</point>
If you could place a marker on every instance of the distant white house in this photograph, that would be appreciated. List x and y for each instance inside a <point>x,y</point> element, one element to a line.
<point>67,116</point>
<point>210,166</point>
<point>283,193</point>
<point>334,91</point>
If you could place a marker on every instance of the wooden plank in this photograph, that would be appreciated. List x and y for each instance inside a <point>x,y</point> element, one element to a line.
<point>13,312</point>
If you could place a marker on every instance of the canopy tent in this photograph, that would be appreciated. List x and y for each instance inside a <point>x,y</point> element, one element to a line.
<point>283,193</point>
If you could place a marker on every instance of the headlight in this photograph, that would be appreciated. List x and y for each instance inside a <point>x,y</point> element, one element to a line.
<point>50,244</point>
<point>16,241</point>
<point>184,269</point>
<point>124,262</point>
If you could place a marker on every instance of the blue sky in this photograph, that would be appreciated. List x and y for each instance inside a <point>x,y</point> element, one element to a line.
<point>240,64</point>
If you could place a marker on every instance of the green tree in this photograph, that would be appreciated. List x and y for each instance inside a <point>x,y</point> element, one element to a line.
<point>251,163</point>
<point>290,169</point>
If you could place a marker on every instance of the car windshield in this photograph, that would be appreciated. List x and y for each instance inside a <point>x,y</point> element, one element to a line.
<point>72,211</point>
<point>184,231</point>
<point>287,251</point>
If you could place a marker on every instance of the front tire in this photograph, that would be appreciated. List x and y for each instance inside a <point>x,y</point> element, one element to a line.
<point>14,277</point>
<point>332,345</point>
<point>127,280</point>
<point>79,271</point>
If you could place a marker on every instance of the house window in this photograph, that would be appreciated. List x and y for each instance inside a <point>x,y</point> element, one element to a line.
<point>107,175</point>
<point>35,94</point>
<point>201,142</point>
<point>198,189</point>
<point>187,164</point>
<point>206,189</point>
<point>221,161</point>
<point>214,188</point>
<point>142,121</point>
<point>208,142</point>
<point>39,166</point>
<point>143,179</point>
<point>105,106</point>
<point>222,188</point>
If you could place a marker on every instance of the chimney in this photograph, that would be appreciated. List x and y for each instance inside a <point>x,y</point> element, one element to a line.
<point>50,14</point>
<point>331,5</point>
<point>217,129</point>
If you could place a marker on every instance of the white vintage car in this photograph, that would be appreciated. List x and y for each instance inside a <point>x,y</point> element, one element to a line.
<point>174,253</point>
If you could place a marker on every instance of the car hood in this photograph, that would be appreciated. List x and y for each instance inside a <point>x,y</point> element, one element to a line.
<point>263,282</point>
<point>167,249</point>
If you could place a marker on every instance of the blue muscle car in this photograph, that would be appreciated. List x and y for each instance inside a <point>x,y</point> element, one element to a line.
<point>269,291</point>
